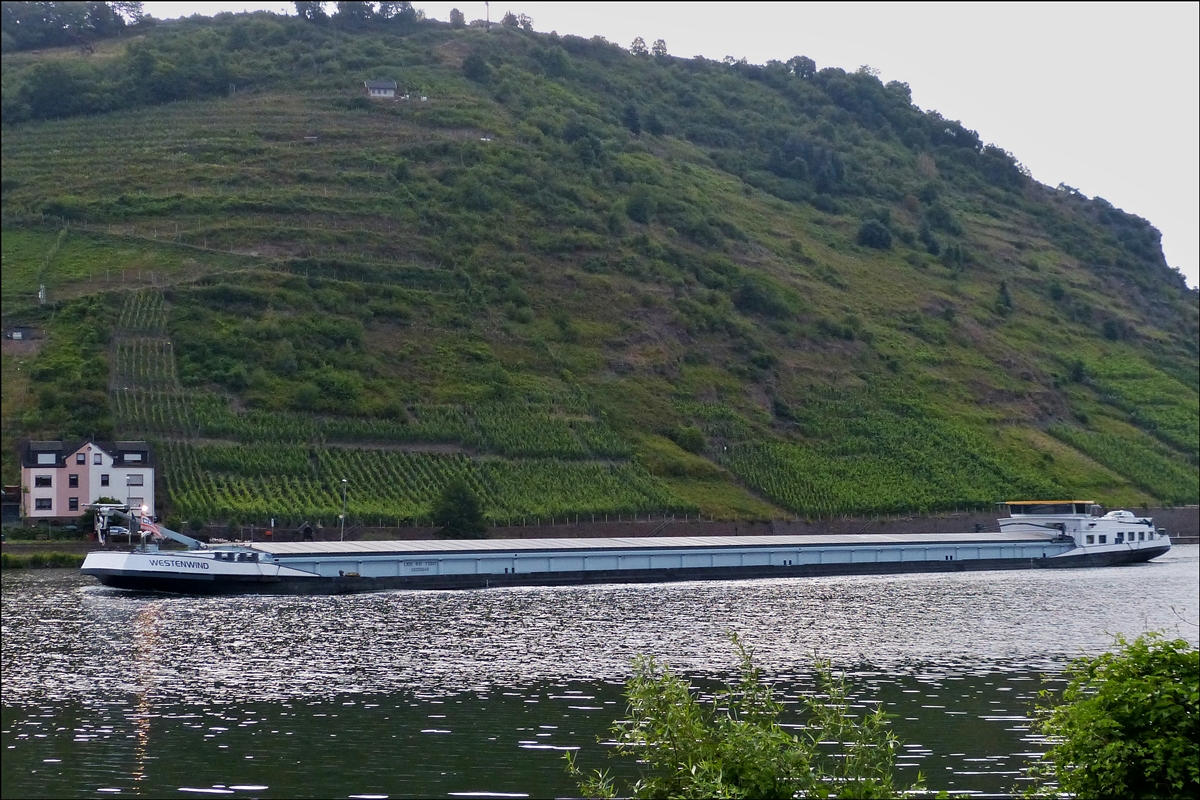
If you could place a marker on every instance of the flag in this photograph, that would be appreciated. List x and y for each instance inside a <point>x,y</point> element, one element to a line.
<point>146,524</point>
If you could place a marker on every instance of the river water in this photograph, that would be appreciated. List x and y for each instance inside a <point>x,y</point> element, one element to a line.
<point>479,693</point>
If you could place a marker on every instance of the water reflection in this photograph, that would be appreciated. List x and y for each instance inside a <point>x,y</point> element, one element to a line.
<point>420,693</point>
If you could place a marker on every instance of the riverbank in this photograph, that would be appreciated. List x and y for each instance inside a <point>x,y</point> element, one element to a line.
<point>1182,524</point>
<point>46,560</point>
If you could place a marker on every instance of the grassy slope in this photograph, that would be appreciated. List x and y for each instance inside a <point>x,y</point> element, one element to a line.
<point>497,274</point>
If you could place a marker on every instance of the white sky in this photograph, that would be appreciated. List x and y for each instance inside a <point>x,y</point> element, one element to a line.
<point>1102,97</point>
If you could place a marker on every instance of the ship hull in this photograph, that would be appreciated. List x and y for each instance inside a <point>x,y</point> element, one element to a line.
<point>183,583</point>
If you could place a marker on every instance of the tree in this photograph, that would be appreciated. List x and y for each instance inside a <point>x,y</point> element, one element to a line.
<point>510,20</point>
<point>457,20</point>
<point>1004,301</point>
<point>476,69</point>
<point>51,24</point>
<point>311,10</point>
<point>659,49</point>
<point>632,119</point>
<point>458,512</point>
<point>525,22</point>
<point>802,66</point>
<point>736,747</point>
<point>1128,724</point>
<point>638,48</point>
<point>354,11</point>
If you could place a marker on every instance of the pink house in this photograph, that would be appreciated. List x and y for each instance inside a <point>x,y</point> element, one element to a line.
<point>59,478</point>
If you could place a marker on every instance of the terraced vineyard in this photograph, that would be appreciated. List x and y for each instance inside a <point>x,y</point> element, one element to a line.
<point>291,483</point>
<point>865,456</point>
<point>1139,457</point>
<point>289,470</point>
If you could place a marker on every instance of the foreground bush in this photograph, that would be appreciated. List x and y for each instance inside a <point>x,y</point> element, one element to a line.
<point>737,748</point>
<point>1127,725</point>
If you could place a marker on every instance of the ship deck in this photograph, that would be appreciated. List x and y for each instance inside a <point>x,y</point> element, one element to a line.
<point>485,546</point>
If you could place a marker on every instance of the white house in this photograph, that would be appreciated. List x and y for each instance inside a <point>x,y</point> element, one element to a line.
<point>58,478</point>
<point>381,90</point>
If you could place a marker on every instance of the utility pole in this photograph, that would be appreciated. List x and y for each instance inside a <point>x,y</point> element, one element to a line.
<point>345,484</point>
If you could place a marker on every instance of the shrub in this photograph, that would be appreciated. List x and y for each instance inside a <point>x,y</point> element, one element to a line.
<point>737,747</point>
<point>690,438</point>
<point>1128,724</point>
<point>640,207</point>
<point>873,233</point>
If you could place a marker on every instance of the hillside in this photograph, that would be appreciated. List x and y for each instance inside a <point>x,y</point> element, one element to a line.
<point>588,281</point>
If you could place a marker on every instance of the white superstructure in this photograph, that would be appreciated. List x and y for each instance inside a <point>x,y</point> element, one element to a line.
<point>1081,520</point>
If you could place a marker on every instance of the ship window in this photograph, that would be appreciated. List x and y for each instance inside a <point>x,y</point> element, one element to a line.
<point>1120,537</point>
<point>42,504</point>
<point>1091,539</point>
<point>42,481</point>
<point>1103,538</point>
<point>1141,536</point>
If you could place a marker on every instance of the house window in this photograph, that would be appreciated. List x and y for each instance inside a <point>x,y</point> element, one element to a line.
<point>42,481</point>
<point>72,503</point>
<point>104,480</point>
<point>73,481</point>
<point>81,458</point>
<point>43,504</point>
<point>136,502</point>
<point>45,458</point>
<point>134,480</point>
<point>133,456</point>
<point>97,459</point>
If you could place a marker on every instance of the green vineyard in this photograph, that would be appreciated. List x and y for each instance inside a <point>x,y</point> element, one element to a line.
<point>1141,459</point>
<point>143,313</point>
<point>291,483</point>
<point>148,364</point>
<point>514,431</point>
<point>872,456</point>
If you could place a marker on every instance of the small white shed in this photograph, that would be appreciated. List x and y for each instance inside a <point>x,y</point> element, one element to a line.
<point>381,90</point>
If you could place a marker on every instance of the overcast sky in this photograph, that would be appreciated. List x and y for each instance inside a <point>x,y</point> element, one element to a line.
<point>1102,97</point>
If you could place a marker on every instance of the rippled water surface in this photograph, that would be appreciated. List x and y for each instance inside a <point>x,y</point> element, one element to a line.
<point>444,693</point>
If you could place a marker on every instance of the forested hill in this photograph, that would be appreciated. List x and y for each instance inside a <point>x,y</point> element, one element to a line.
<point>588,280</point>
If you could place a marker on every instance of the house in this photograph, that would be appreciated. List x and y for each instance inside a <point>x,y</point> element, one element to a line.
<point>59,478</point>
<point>381,90</point>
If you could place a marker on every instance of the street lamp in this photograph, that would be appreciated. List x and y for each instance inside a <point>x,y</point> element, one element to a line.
<point>345,484</point>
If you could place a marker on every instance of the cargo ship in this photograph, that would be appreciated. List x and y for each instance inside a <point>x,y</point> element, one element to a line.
<point>1034,535</point>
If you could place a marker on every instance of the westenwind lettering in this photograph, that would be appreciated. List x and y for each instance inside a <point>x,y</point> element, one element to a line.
<point>174,562</point>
